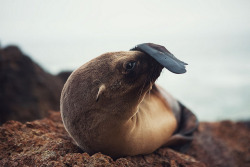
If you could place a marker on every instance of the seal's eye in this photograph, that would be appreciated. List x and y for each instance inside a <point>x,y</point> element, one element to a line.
<point>130,65</point>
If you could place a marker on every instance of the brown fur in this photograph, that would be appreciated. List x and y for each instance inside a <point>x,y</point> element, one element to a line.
<point>107,109</point>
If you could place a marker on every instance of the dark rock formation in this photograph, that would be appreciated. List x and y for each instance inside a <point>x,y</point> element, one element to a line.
<point>27,92</point>
<point>46,143</point>
<point>64,75</point>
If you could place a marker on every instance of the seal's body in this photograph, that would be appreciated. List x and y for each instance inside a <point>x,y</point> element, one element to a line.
<point>111,105</point>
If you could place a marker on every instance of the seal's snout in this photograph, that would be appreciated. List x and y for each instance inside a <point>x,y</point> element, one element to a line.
<point>155,71</point>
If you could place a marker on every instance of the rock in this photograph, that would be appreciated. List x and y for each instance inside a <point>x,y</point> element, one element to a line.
<point>46,143</point>
<point>27,92</point>
<point>222,144</point>
<point>64,75</point>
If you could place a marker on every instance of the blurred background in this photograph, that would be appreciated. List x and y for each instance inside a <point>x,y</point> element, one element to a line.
<point>213,37</point>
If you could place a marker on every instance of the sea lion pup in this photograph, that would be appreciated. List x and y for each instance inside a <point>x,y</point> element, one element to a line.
<point>111,104</point>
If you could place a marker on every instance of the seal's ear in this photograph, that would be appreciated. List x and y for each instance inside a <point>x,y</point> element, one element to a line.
<point>100,91</point>
<point>162,56</point>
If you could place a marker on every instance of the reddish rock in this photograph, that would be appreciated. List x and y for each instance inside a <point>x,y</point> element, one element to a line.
<point>46,143</point>
<point>222,144</point>
<point>27,92</point>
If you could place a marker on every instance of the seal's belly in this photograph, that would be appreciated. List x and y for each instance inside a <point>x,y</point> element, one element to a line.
<point>154,125</point>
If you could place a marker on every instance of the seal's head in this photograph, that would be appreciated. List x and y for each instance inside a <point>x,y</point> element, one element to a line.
<point>115,78</point>
<point>125,76</point>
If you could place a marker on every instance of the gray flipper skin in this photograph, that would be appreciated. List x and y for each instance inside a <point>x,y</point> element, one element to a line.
<point>187,124</point>
<point>162,56</point>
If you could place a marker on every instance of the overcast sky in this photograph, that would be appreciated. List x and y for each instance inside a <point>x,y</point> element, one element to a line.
<point>213,37</point>
<point>97,26</point>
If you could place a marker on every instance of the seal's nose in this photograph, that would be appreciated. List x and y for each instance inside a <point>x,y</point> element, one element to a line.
<point>162,56</point>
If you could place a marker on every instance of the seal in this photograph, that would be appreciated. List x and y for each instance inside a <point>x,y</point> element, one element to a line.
<point>112,105</point>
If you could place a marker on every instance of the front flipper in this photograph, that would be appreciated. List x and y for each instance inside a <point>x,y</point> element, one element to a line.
<point>162,56</point>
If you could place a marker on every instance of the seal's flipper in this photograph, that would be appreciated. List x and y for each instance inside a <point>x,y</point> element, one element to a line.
<point>178,140</point>
<point>187,125</point>
<point>189,122</point>
<point>162,56</point>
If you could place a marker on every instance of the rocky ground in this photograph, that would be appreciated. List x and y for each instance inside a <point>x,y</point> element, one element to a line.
<point>27,93</point>
<point>46,143</point>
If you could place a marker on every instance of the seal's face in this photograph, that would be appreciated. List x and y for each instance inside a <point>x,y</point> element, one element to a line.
<point>137,70</point>
<point>130,74</point>
<point>112,80</point>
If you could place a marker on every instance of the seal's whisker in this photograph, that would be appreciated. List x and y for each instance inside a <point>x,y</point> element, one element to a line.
<point>149,93</point>
<point>142,89</point>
